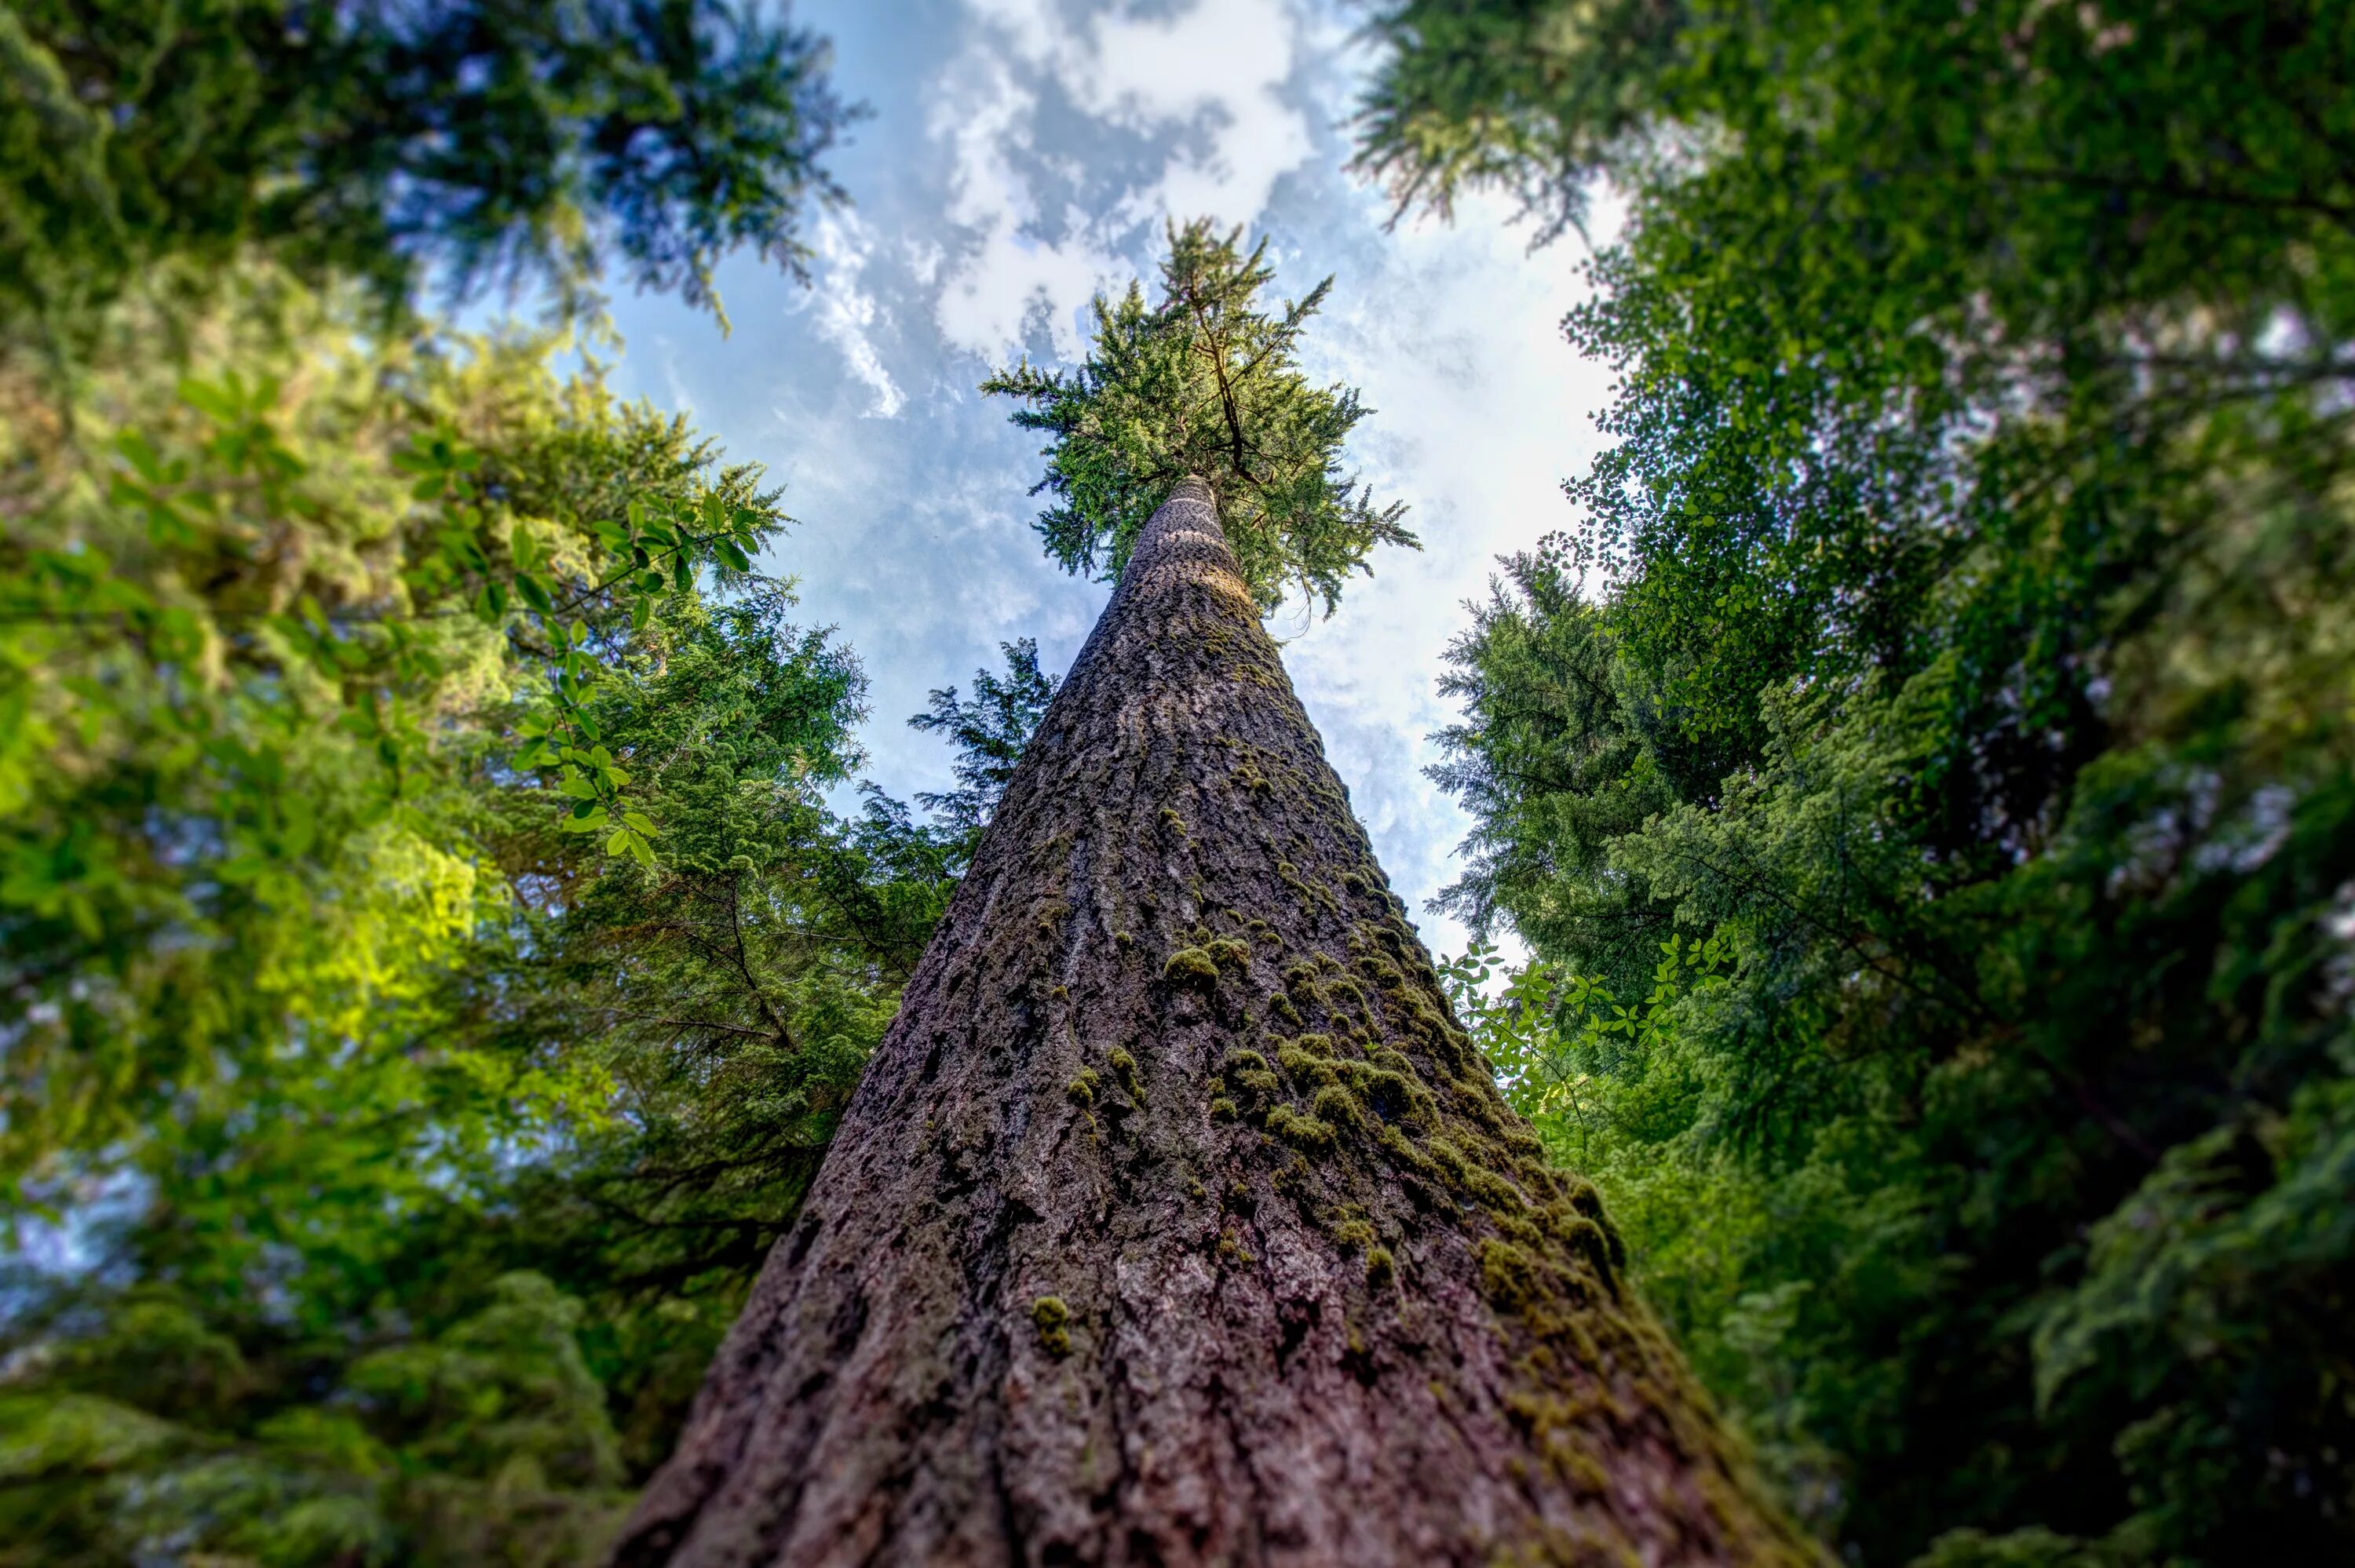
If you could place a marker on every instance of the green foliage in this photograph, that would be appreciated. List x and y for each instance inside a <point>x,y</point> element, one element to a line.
<point>493,141</point>
<point>398,1149</point>
<point>249,617</point>
<point>1531,97</point>
<point>429,973</point>
<point>487,1442</point>
<point>1207,385</point>
<point>1954,644</point>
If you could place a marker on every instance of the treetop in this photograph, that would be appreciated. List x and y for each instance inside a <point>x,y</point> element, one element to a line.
<point>1205,382</point>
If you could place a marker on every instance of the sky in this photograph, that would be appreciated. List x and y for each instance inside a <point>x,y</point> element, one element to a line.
<point>1021,155</point>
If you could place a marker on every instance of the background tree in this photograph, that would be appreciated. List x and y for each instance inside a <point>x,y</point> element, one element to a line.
<point>1205,384</point>
<point>990,733</point>
<point>413,789</point>
<point>1925,770</point>
<point>370,1193</point>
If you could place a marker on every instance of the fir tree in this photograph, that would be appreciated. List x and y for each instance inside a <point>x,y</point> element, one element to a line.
<point>990,732</point>
<point>1952,650</point>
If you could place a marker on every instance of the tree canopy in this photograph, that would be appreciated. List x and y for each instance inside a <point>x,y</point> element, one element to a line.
<point>1206,382</point>
<point>1923,770</point>
<point>428,966</point>
<point>486,141</point>
<point>431,969</point>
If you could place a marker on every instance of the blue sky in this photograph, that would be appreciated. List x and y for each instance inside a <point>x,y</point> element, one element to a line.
<point>1022,155</point>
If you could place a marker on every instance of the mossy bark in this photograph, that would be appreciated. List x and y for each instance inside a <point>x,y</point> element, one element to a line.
<point>1176,1221</point>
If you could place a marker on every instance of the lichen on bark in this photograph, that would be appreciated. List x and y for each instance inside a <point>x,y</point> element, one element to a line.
<point>1177,1221</point>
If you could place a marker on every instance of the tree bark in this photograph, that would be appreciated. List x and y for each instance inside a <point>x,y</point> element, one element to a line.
<point>1176,1221</point>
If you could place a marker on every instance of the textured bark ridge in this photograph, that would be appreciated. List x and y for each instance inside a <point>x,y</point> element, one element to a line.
<point>1176,1221</point>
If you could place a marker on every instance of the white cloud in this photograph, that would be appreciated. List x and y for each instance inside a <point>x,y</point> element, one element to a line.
<point>1031,26</point>
<point>1009,277</point>
<point>984,125</point>
<point>1216,69</point>
<point>1013,283</point>
<point>681,398</point>
<point>1202,89</point>
<point>844,312</point>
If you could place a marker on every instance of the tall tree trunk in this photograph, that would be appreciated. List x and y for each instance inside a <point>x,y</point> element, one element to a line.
<point>1176,1221</point>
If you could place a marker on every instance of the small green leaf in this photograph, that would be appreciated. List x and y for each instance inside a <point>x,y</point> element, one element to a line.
<point>301,826</point>
<point>207,398</point>
<point>141,456</point>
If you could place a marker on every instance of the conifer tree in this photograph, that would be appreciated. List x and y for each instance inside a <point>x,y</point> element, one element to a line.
<point>1175,1220</point>
<point>990,733</point>
<point>1949,649</point>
